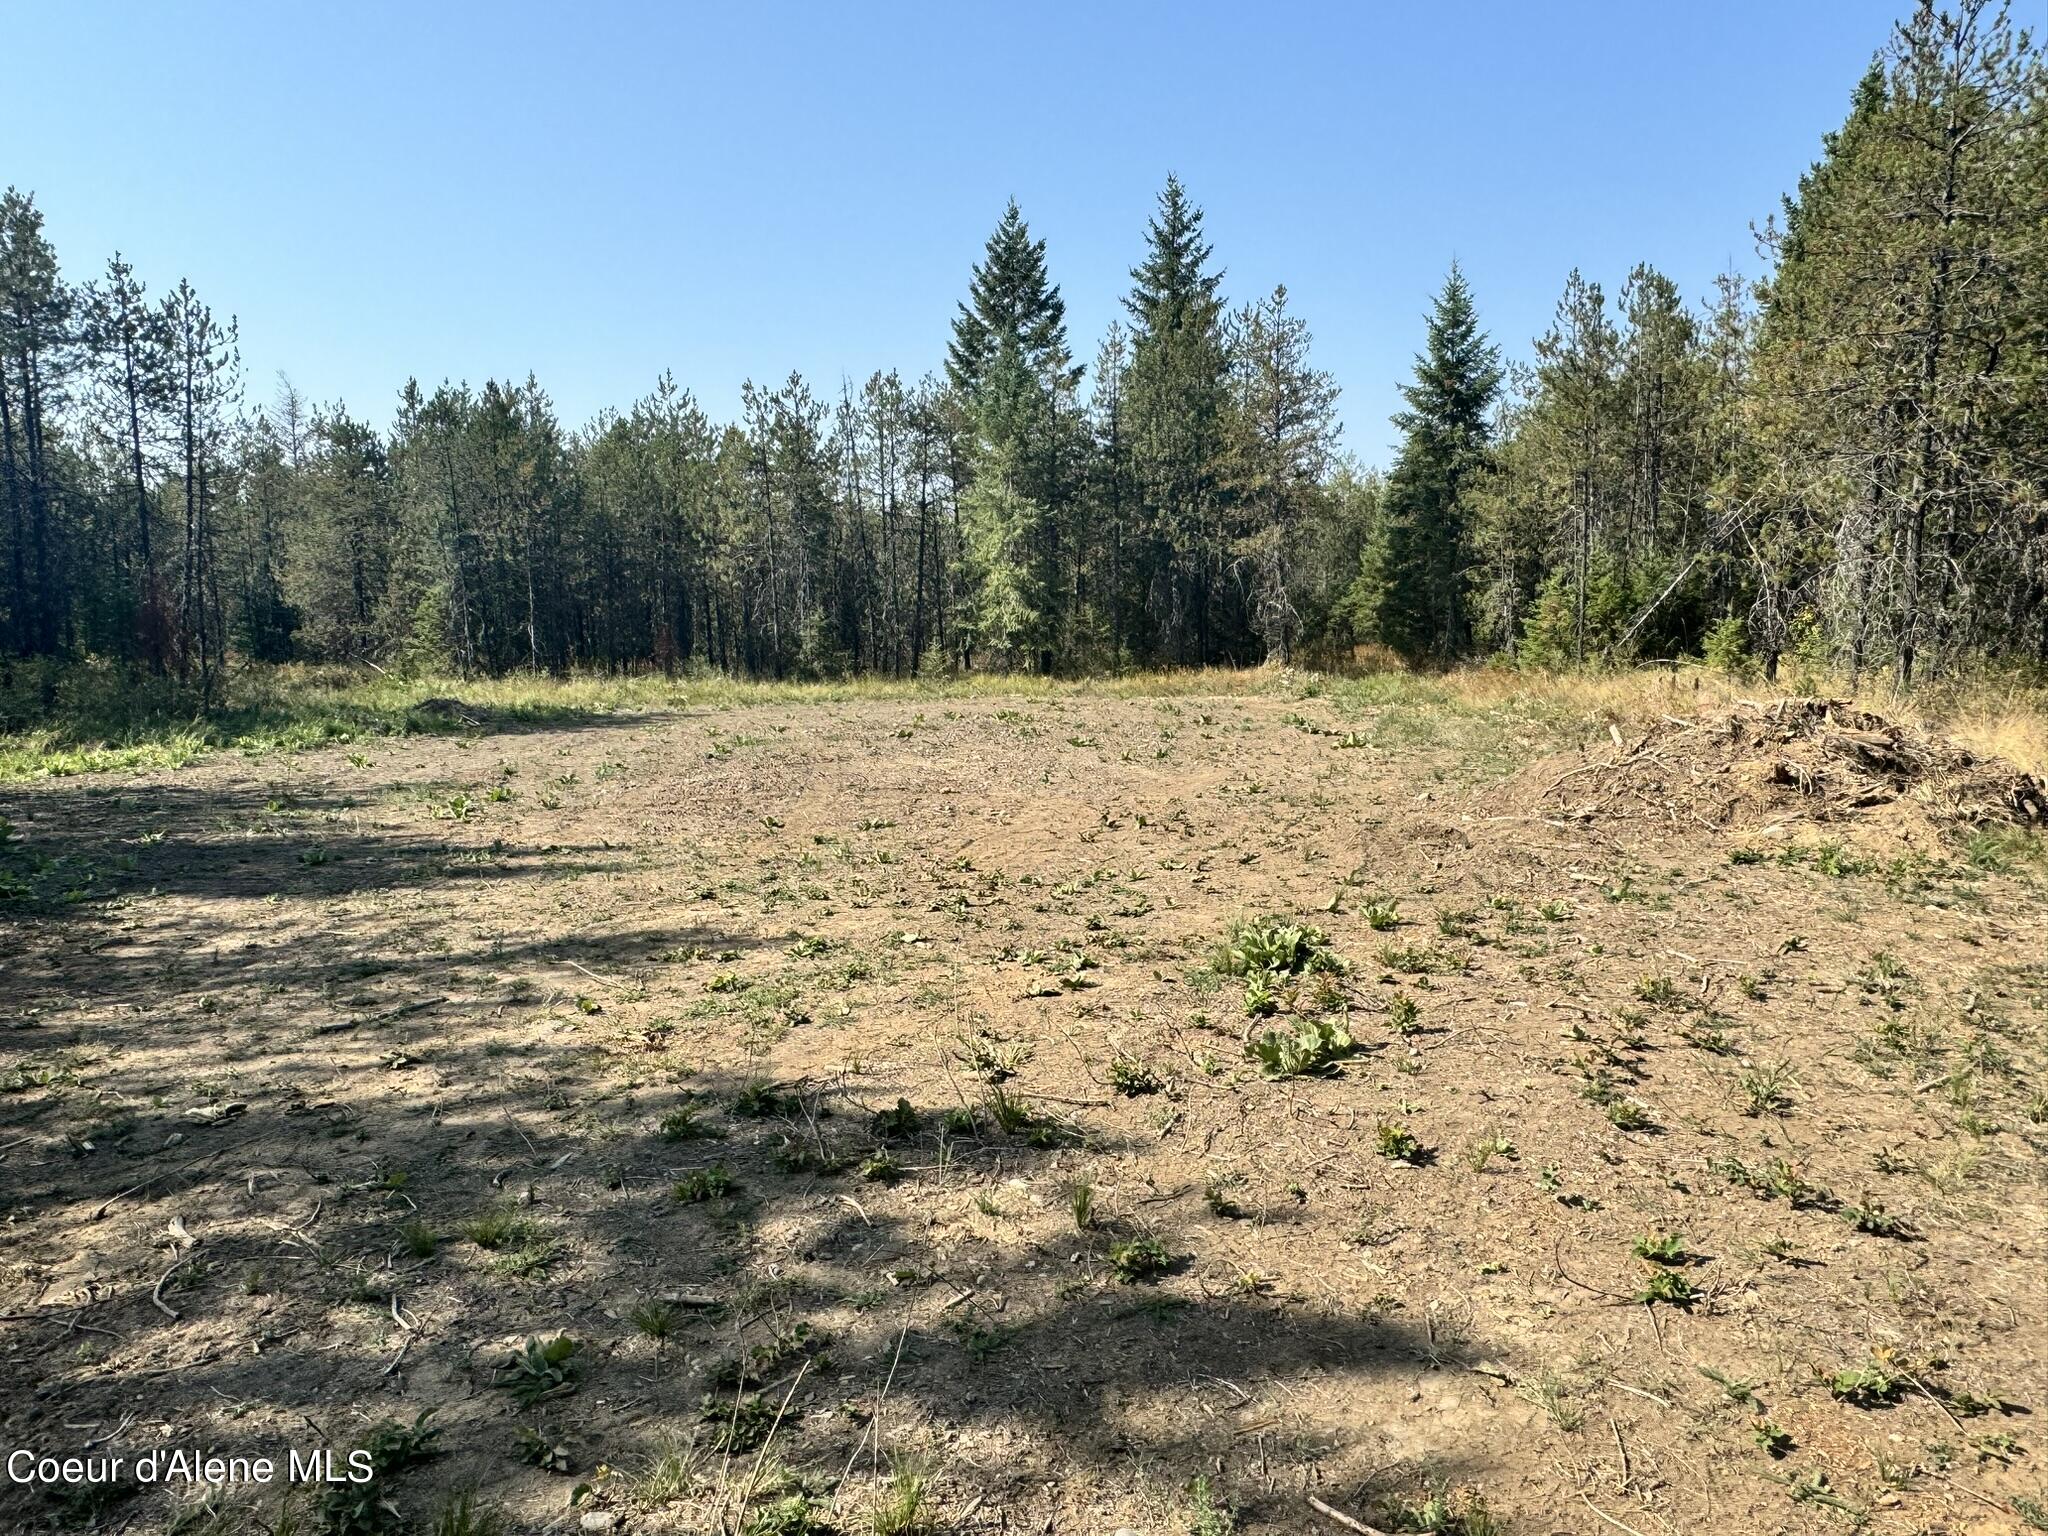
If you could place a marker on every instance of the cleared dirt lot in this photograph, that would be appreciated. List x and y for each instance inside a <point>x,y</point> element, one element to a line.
<point>761,1052</point>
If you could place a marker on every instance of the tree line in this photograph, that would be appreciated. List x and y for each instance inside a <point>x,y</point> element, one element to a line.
<point>1845,462</point>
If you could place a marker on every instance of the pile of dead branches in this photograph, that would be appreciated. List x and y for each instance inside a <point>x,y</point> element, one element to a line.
<point>1813,759</point>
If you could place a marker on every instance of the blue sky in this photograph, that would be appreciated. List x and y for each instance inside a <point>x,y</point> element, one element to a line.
<point>599,192</point>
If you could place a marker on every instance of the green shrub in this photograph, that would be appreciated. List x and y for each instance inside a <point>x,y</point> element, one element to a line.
<point>1726,647</point>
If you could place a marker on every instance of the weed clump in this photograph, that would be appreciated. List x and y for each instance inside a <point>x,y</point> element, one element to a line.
<point>1664,1248</point>
<point>1139,1258</point>
<point>365,1508</point>
<point>902,1509</point>
<point>1870,1216</point>
<point>1312,1046</point>
<point>1441,1515</point>
<point>1765,1088</point>
<point>683,1123</point>
<point>541,1369</point>
<point>760,1101</point>
<point>1879,1380</point>
<point>739,1426</point>
<point>1208,1515</point>
<point>1081,1201</point>
<point>765,1361</point>
<point>1275,948</point>
<point>881,1168</point>
<point>392,1445</point>
<point>898,1124</point>
<point>713,1183</point>
<point>794,1514</point>
<point>1669,1287</point>
<point>496,1228</point>
<point>1133,1078</point>
<point>1398,1144</point>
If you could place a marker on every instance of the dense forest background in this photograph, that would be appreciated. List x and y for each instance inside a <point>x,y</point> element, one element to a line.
<point>1846,462</point>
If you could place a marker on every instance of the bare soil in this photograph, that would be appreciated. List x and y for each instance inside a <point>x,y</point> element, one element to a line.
<point>330,1080</point>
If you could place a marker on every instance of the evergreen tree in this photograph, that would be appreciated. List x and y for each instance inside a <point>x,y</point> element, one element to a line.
<point>1901,356</point>
<point>205,372</point>
<point>1117,598</point>
<point>35,326</point>
<point>1852,473</point>
<point>1007,609</point>
<point>1176,398</point>
<point>128,342</point>
<point>348,545</point>
<point>1411,593</point>
<point>1012,304</point>
<point>1010,364</point>
<point>785,529</point>
<point>263,623</point>
<point>1283,433</point>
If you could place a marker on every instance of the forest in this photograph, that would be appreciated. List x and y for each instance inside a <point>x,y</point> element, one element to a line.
<point>1844,461</point>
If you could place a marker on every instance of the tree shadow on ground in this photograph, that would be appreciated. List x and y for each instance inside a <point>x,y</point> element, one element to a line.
<point>805,1297</point>
<point>269,1188</point>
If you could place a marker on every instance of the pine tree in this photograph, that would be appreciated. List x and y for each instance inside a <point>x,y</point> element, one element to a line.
<point>348,547</point>
<point>128,342</point>
<point>1283,432</point>
<point>263,622</point>
<point>1010,364</point>
<point>35,346</point>
<point>1177,397</point>
<point>1662,384</point>
<point>1900,362</point>
<point>1412,588</point>
<point>787,532</point>
<point>1112,496</point>
<point>205,368</point>
<point>1853,474</point>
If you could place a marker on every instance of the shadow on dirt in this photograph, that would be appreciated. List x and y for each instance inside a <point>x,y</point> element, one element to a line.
<point>353,1189</point>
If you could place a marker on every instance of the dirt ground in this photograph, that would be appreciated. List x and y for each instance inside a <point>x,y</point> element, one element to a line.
<point>852,1087</point>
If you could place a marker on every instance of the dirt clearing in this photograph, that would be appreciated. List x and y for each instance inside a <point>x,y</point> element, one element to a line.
<point>903,1115</point>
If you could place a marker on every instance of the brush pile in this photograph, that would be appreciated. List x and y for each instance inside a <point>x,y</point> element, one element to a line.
<point>1818,760</point>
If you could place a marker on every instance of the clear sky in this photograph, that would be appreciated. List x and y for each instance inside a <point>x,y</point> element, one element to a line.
<point>596,192</point>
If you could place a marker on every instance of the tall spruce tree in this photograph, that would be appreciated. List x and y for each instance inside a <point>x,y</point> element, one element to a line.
<point>1010,364</point>
<point>1411,592</point>
<point>1011,303</point>
<point>1176,397</point>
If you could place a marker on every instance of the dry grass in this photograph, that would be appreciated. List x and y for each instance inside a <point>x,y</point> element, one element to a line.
<point>102,722</point>
<point>2005,722</point>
